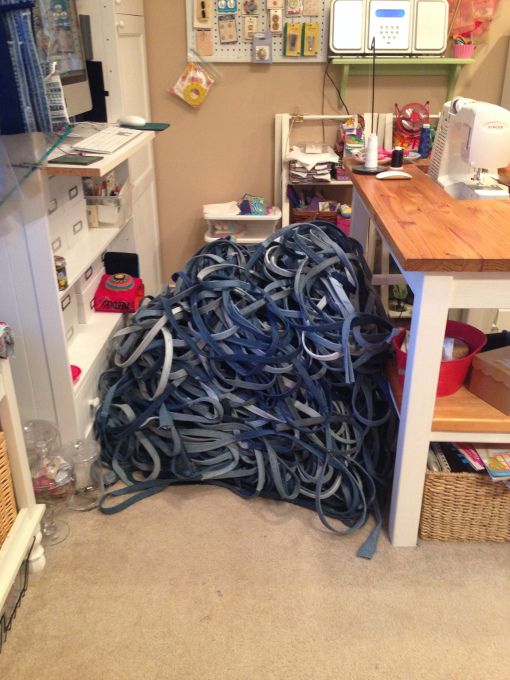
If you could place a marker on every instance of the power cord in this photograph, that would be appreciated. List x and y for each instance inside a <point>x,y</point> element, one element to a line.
<point>327,75</point>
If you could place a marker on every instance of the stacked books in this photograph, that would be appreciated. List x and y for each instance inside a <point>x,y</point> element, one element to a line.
<point>460,457</point>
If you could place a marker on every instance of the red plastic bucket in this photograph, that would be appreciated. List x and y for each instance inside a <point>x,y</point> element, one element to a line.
<point>452,374</point>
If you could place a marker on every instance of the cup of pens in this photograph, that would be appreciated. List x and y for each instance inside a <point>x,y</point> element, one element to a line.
<point>462,48</point>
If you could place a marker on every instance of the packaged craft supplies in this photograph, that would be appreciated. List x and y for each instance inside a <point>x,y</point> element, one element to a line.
<point>193,85</point>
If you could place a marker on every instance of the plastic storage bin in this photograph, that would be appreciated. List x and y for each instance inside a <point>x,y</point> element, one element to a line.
<point>110,211</point>
<point>244,228</point>
<point>452,374</point>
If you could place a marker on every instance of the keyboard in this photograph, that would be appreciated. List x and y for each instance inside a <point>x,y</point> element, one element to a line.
<point>106,141</point>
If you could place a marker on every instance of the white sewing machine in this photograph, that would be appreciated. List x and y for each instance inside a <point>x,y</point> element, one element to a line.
<point>472,142</point>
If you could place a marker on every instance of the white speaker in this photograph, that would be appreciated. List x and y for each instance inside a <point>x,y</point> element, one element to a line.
<point>398,26</point>
<point>347,27</point>
<point>430,26</point>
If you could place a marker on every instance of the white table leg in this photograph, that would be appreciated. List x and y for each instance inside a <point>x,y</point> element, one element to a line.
<point>385,270</point>
<point>432,294</point>
<point>360,220</point>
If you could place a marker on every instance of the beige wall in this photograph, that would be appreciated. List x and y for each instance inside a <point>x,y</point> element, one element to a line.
<point>225,149</point>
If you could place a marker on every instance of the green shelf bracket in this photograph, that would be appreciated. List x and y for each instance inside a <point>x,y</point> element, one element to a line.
<point>401,66</point>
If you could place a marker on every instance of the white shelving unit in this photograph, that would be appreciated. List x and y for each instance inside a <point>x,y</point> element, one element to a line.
<point>26,525</point>
<point>284,124</point>
<point>47,217</point>
<point>118,42</point>
<point>248,228</point>
<point>50,338</point>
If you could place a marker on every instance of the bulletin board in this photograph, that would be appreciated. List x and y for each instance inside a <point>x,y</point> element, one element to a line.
<point>241,51</point>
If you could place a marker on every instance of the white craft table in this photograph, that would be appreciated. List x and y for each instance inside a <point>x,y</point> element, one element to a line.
<point>454,255</point>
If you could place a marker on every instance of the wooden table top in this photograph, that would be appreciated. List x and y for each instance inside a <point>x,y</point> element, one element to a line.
<point>428,230</point>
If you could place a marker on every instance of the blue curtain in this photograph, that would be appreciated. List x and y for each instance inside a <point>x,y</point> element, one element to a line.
<point>23,102</point>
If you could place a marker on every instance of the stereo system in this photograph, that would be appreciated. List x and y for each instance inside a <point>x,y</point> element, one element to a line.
<point>398,26</point>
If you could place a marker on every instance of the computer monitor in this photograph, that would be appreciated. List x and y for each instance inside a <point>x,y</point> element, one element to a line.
<point>57,32</point>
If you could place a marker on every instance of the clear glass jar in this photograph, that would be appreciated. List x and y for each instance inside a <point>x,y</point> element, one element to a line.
<point>53,482</point>
<point>89,487</point>
<point>40,431</point>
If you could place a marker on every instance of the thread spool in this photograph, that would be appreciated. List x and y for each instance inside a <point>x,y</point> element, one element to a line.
<point>371,152</point>
<point>397,158</point>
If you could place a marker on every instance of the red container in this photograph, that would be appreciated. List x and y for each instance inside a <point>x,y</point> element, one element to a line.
<point>344,223</point>
<point>452,374</point>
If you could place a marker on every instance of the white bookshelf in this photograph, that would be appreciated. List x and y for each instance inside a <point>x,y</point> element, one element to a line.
<point>25,529</point>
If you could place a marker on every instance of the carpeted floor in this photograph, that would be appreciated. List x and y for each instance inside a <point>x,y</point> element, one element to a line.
<point>198,584</point>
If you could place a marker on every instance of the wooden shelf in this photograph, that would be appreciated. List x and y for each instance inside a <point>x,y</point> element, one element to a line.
<point>401,66</point>
<point>104,166</point>
<point>460,412</point>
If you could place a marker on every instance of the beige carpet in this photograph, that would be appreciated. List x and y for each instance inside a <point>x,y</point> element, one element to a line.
<point>198,584</point>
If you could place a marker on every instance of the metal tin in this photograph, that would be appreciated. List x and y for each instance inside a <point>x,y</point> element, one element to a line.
<point>60,266</point>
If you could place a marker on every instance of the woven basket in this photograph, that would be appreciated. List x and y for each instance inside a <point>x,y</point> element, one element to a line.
<point>300,215</point>
<point>7,502</point>
<point>461,506</point>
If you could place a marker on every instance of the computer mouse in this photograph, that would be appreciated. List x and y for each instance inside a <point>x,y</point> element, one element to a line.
<point>393,174</point>
<point>132,121</point>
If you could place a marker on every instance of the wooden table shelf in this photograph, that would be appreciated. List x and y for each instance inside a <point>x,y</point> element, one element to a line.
<point>462,412</point>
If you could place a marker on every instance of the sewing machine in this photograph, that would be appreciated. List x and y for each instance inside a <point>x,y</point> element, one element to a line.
<point>472,142</point>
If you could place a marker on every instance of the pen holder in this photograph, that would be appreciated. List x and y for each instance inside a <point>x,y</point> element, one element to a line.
<point>463,51</point>
<point>110,211</point>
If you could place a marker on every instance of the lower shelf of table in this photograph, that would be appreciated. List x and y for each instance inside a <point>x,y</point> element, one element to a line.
<point>462,412</point>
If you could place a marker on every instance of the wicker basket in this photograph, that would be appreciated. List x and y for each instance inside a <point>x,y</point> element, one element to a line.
<point>7,502</point>
<point>300,215</point>
<point>461,506</point>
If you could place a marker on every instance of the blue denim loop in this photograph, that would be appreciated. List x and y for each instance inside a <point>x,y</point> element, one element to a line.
<point>260,371</point>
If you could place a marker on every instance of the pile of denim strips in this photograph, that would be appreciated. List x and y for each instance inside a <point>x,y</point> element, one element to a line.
<point>260,370</point>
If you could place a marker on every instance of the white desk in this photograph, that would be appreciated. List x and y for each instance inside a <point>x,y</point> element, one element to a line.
<point>453,254</point>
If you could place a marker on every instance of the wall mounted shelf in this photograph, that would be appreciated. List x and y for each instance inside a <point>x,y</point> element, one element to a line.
<point>401,66</point>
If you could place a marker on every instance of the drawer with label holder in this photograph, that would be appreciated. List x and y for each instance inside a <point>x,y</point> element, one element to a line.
<point>69,307</point>
<point>85,299</point>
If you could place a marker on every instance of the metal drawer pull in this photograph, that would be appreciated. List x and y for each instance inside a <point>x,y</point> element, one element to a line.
<point>53,206</point>
<point>65,302</point>
<point>77,227</point>
<point>73,192</point>
<point>56,244</point>
<point>88,273</point>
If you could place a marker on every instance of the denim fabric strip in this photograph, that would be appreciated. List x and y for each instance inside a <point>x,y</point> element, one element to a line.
<point>261,370</point>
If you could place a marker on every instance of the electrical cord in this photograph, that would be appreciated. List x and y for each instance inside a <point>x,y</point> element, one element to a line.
<point>327,75</point>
